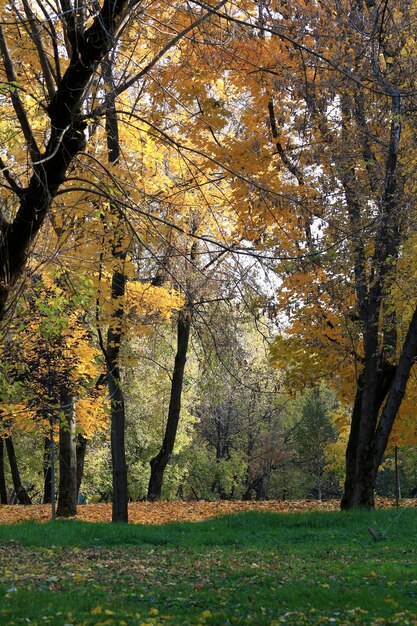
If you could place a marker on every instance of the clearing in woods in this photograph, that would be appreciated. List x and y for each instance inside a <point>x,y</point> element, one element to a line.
<point>253,567</point>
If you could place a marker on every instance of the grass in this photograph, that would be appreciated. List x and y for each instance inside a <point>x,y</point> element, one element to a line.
<point>251,568</point>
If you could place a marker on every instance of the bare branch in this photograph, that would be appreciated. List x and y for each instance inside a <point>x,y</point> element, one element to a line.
<point>36,38</point>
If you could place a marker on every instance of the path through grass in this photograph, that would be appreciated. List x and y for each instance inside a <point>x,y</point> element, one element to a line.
<point>251,568</point>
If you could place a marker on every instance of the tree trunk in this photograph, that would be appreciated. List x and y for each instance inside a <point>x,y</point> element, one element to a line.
<point>81,450</point>
<point>119,508</point>
<point>115,331</point>
<point>67,497</point>
<point>360,452</point>
<point>3,489</point>
<point>247,494</point>
<point>361,471</point>
<point>354,492</point>
<point>47,472</point>
<point>160,461</point>
<point>21,493</point>
<point>260,489</point>
<point>374,384</point>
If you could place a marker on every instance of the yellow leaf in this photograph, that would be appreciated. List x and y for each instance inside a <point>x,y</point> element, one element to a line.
<point>97,610</point>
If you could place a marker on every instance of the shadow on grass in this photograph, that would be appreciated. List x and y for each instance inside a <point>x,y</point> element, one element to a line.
<point>252,529</point>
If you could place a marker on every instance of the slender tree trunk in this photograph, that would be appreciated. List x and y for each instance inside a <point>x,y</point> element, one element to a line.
<point>260,489</point>
<point>3,489</point>
<point>67,497</point>
<point>81,450</point>
<point>397,478</point>
<point>247,494</point>
<point>119,508</point>
<point>160,461</point>
<point>47,472</point>
<point>115,332</point>
<point>21,493</point>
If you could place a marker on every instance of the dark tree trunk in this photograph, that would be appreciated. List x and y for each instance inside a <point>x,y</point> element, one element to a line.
<point>115,332</point>
<point>119,508</point>
<point>359,486</point>
<point>81,450</point>
<point>3,489</point>
<point>47,472</point>
<point>218,489</point>
<point>355,492</point>
<point>21,493</point>
<point>247,495</point>
<point>369,430</point>
<point>361,469</point>
<point>261,489</point>
<point>160,461</point>
<point>67,496</point>
<point>259,486</point>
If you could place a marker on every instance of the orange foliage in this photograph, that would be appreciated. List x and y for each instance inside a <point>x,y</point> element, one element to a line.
<point>168,512</point>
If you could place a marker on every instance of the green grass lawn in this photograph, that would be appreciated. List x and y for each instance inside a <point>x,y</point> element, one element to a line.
<point>252,568</point>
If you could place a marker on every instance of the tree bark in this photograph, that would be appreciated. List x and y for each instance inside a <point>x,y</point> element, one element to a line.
<point>160,461</point>
<point>361,468</point>
<point>3,489</point>
<point>21,493</point>
<point>119,502</point>
<point>47,472</point>
<point>81,450</point>
<point>115,331</point>
<point>67,496</point>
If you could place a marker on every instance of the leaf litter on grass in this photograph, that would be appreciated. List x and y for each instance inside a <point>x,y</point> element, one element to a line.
<point>166,512</point>
<point>209,581</point>
<point>143,586</point>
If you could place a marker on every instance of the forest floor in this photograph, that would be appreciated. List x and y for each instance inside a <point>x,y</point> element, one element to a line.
<point>175,511</point>
<point>252,568</point>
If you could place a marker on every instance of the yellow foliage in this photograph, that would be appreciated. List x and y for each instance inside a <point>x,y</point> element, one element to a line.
<point>145,300</point>
<point>56,357</point>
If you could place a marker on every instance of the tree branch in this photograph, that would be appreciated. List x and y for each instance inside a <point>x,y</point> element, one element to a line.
<point>15,98</point>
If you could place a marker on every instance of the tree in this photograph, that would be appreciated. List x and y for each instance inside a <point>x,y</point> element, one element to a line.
<point>243,415</point>
<point>3,489</point>
<point>311,436</point>
<point>51,382</point>
<point>342,211</point>
<point>71,100</point>
<point>159,462</point>
<point>119,251</point>
<point>67,501</point>
<point>62,97</point>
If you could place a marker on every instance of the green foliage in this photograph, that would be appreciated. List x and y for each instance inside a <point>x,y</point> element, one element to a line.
<point>97,478</point>
<point>29,452</point>
<point>311,435</point>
